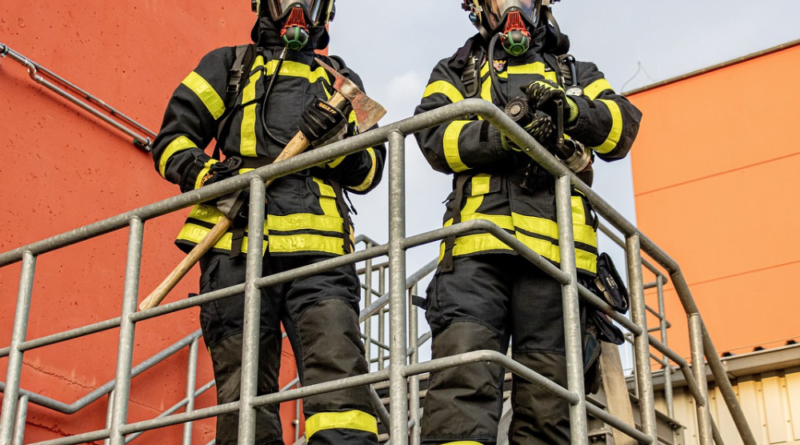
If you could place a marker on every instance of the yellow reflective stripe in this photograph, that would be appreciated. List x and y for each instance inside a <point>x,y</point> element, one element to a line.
<point>194,233</point>
<point>616,128</point>
<point>578,214</point>
<point>443,87</point>
<point>543,247</point>
<point>248,142</point>
<point>351,420</point>
<point>595,88</point>
<point>463,442</point>
<point>206,93</point>
<point>486,90</point>
<point>324,189</point>
<point>180,143</point>
<point>209,214</point>
<point>451,152</point>
<point>481,184</point>
<point>306,243</point>
<point>586,260</point>
<point>305,221</point>
<point>531,68</point>
<point>371,176</point>
<point>533,224</point>
<point>295,69</point>
<point>585,235</point>
<point>485,69</point>
<point>353,118</point>
<point>199,181</point>
<point>327,199</point>
<point>335,163</point>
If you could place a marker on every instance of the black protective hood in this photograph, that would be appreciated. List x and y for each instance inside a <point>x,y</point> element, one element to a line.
<point>267,33</point>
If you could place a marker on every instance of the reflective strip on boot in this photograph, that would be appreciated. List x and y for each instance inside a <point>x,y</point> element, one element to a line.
<point>353,420</point>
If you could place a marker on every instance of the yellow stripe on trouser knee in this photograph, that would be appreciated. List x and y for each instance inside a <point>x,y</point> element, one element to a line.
<point>351,420</point>
<point>463,442</point>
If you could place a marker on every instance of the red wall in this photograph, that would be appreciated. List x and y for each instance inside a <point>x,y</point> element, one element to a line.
<point>715,176</point>
<point>63,169</point>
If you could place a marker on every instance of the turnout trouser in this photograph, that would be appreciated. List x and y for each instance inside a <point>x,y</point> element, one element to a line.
<point>320,316</point>
<point>483,302</point>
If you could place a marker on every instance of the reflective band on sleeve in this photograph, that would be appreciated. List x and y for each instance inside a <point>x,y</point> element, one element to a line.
<point>451,152</point>
<point>616,128</point>
<point>443,87</point>
<point>199,181</point>
<point>296,69</point>
<point>367,183</point>
<point>351,420</point>
<point>248,143</point>
<point>180,143</point>
<point>206,93</point>
<point>335,163</point>
<point>595,88</point>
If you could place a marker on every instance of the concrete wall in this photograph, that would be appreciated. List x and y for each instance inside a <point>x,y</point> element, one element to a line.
<point>63,169</point>
<point>715,175</point>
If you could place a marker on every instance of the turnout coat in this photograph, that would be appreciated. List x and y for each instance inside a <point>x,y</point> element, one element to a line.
<point>306,212</point>
<point>488,178</point>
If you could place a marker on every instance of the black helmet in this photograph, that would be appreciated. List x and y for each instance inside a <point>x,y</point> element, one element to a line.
<point>317,12</point>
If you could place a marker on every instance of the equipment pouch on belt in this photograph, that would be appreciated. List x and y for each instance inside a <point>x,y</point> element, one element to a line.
<point>611,285</point>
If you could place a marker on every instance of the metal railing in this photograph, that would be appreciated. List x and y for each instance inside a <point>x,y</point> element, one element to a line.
<point>83,99</point>
<point>400,370</point>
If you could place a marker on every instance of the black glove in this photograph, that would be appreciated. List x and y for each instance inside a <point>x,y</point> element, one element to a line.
<point>322,123</point>
<point>541,128</point>
<point>542,95</point>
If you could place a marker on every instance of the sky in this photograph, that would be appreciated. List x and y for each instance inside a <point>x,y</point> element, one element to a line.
<point>395,45</point>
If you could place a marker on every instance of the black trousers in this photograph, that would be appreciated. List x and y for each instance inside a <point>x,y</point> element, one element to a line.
<point>485,301</point>
<point>320,316</point>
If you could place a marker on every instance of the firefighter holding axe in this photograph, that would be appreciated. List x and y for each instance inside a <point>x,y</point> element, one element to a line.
<point>263,103</point>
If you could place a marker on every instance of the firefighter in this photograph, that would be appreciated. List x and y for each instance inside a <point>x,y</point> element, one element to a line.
<point>483,295</point>
<point>253,99</point>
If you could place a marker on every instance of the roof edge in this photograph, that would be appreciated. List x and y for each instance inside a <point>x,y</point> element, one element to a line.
<point>711,68</point>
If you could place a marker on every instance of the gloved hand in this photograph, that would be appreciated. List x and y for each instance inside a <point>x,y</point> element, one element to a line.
<point>322,123</point>
<point>542,94</point>
<point>541,128</point>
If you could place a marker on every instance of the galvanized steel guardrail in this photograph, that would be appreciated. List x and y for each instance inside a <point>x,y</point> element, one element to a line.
<point>399,369</point>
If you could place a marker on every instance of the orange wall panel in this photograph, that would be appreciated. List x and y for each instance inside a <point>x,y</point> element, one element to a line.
<point>63,169</point>
<point>715,181</point>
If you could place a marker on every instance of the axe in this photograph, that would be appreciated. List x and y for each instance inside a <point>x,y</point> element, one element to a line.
<point>368,112</point>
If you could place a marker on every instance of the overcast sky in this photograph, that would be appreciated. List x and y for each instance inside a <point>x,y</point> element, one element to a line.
<point>395,45</point>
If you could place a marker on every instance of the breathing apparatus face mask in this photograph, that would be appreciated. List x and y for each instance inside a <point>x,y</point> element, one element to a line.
<point>512,19</point>
<point>298,16</point>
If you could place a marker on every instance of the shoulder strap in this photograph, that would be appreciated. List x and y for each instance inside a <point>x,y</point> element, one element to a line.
<point>245,55</point>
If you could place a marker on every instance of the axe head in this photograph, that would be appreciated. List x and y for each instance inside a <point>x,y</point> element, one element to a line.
<point>368,112</point>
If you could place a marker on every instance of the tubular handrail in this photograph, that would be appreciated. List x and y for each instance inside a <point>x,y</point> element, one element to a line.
<point>142,142</point>
<point>635,243</point>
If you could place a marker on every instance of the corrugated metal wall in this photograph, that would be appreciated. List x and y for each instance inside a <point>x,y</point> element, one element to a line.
<point>771,402</point>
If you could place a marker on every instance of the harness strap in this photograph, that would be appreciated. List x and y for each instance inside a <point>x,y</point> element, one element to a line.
<point>245,54</point>
<point>446,266</point>
<point>347,223</point>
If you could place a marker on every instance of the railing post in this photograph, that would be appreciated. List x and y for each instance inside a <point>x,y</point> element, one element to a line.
<point>367,302</point>
<point>252,314</point>
<point>699,370</point>
<point>641,342</point>
<point>21,315</point>
<point>109,414</point>
<point>22,414</point>
<point>667,369</point>
<point>398,386</point>
<point>413,334</point>
<point>122,384</point>
<point>191,383</point>
<point>572,316</point>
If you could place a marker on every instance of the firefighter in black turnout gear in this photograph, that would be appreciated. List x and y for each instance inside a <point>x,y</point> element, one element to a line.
<point>253,99</point>
<point>484,295</point>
